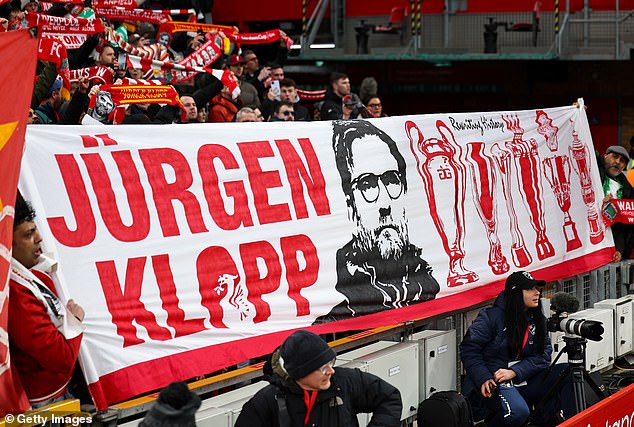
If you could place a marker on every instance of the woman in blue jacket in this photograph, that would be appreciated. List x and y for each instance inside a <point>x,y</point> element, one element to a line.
<point>506,353</point>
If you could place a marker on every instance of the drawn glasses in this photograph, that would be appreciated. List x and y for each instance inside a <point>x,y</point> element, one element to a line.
<point>368,185</point>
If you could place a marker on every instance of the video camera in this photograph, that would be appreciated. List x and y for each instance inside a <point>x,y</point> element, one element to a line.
<point>563,304</point>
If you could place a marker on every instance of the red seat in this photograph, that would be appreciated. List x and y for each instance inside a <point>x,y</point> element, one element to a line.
<point>397,20</point>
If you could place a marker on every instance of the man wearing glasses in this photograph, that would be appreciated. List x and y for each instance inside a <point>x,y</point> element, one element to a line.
<point>283,112</point>
<point>308,390</point>
<point>379,269</point>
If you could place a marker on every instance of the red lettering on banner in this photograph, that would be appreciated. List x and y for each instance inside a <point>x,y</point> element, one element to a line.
<point>297,277</point>
<point>93,141</point>
<point>260,283</point>
<point>106,200</point>
<point>296,173</point>
<point>261,181</point>
<point>165,192</point>
<point>219,280</point>
<point>170,179</point>
<point>211,265</point>
<point>234,189</point>
<point>86,228</point>
<point>126,307</point>
<point>167,289</point>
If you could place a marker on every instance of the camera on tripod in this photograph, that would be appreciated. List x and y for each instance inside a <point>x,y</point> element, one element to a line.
<point>563,304</point>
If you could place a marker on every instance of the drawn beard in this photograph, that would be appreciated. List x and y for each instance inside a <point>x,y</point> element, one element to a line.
<point>388,239</point>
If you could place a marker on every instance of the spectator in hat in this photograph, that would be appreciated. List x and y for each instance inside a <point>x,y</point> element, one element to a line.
<point>48,111</point>
<point>175,406</point>
<point>307,389</point>
<point>30,5</point>
<point>248,92</point>
<point>616,186</point>
<point>506,354</point>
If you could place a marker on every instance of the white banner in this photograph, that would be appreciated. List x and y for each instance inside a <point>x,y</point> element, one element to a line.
<point>193,247</point>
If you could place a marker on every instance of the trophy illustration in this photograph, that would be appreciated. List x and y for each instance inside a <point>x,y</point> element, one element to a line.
<point>484,180</point>
<point>521,256</point>
<point>529,183</point>
<point>444,179</point>
<point>557,173</point>
<point>547,130</point>
<point>581,157</point>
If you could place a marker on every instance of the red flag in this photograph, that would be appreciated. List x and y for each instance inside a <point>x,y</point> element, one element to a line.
<point>22,49</point>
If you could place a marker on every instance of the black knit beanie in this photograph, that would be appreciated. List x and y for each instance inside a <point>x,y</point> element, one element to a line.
<point>303,352</point>
<point>176,406</point>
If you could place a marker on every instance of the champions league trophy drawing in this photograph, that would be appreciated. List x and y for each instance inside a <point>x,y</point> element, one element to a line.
<point>484,180</point>
<point>529,184</point>
<point>521,256</point>
<point>581,157</point>
<point>444,179</point>
<point>547,130</point>
<point>557,173</point>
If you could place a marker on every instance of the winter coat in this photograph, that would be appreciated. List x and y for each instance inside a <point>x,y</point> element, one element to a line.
<point>351,392</point>
<point>222,110</point>
<point>484,350</point>
<point>332,108</point>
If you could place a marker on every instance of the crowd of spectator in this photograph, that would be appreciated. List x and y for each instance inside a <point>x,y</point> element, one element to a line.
<point>265,93</point>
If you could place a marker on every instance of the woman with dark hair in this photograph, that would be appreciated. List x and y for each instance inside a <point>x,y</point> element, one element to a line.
<point>506,353</point>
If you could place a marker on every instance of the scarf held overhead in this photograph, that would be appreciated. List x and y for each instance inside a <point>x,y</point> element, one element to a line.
<point>56,24</point>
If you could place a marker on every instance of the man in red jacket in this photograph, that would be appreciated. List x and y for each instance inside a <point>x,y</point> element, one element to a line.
<point>44,336</point>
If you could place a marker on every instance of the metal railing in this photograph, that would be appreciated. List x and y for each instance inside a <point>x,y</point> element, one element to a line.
<point>580,35</point>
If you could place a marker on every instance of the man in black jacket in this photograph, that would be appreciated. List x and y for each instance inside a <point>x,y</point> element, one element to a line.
<point>339,87</point>
<point>306,389</point>
<point>616,186</point>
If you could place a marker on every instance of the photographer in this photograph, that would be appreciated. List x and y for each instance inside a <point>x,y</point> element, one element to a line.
<point>353,108</point>
<point>506,353</point>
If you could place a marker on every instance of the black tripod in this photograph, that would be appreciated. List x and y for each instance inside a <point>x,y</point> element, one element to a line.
<point>575,348</point>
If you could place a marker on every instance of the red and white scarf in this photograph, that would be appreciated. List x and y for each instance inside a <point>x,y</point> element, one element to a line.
<point>175,73</point>
<point>98,74</point>
<point>136,91</point>
<point>260,38</point>
<point>57,24</point>
<point>153,51</point>
<point>145,15</point>
<point>128,4</point>
<point>179,27</point>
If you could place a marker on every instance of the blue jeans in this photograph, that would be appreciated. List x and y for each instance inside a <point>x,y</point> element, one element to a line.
<point>511,405</point>
<point>64,396</point>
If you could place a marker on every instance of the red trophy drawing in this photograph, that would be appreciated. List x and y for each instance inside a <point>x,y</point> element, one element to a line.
<point>557,173</point>
<point>547,130</point>
<point>484,180</point>
<point>521,256</point>
<point>529,183</point>
<point>443,176</point>
<point>581,157</point>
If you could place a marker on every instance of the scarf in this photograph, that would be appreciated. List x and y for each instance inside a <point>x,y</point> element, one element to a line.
<point>68,325</point>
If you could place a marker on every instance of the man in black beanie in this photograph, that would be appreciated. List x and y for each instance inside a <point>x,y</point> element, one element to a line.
<point>176,406</point>
<point>306,389</point>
